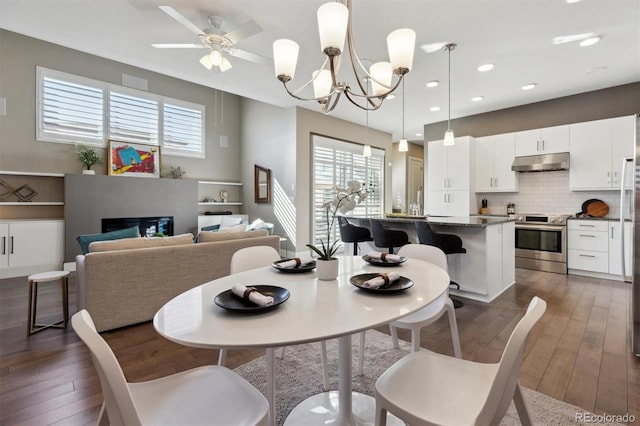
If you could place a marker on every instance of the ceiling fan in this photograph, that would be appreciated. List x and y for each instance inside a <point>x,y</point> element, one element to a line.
<point>215,41</point>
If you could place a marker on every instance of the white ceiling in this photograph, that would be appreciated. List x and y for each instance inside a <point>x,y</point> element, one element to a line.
<point>515,35</point>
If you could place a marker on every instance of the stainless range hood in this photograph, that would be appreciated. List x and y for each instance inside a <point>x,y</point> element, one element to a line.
<point>541,163</point>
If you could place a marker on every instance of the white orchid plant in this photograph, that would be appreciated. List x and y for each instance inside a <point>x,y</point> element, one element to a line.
<point>344,200</point>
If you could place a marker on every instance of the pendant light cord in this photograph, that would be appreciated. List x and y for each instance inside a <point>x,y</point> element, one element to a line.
<point>449,47</point>
<point>403,109</point>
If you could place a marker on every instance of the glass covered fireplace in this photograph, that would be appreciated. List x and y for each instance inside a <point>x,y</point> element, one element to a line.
<point>149,226</point>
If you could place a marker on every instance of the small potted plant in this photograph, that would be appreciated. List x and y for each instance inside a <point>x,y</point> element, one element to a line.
<point>344,200</point>
<point>88,157</point>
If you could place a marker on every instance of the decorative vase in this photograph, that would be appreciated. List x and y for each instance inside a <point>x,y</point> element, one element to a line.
<point>327,270</point>
<point>88,172</point>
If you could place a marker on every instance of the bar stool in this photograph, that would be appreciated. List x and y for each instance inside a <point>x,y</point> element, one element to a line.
<point>33,281</point>
<point>388,238</point>
<point>350,233</point>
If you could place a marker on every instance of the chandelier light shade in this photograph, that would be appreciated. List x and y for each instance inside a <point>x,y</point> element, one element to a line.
<point>334,26</point>
<point>449,138</point>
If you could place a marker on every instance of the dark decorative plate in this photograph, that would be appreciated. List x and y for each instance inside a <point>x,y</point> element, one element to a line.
<point>400,284</point>
<point>296,269</point>
<point>379,262</point>
<point>228,300</point>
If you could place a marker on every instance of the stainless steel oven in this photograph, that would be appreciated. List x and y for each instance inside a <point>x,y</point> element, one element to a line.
<point>541,242</point>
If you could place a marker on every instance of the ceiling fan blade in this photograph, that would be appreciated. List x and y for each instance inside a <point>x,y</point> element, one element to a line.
<point>243,54</point>
<point>184,21</point>
<point>243,31</point>
<point>178,46</point>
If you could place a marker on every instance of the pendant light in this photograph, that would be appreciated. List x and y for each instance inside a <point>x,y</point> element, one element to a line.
<point>449,138</point>
<point>403,146</point>
<point>366,151</point>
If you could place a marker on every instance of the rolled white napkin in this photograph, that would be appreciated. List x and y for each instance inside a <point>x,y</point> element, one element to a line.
<point>252,294</point>
<point>385,257</point>
<point>380,280</point>
<point>304,259</point>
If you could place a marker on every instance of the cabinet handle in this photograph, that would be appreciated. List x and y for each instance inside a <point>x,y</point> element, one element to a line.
<point>608,177</point>
<point>4,245</point>
<point>612,232</point>
<point>587,255</point>
<point>587,226</point>
<point>542,145</point>
<point>445,197</point>
<point>491,182</point>
<point>495,182</point>
<point>538,146</point>
<point>615,177</point>
<point>11,245</point>
<point>587,235</point>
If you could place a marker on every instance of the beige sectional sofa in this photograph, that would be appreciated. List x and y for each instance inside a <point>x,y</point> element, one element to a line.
<point>125,282</point>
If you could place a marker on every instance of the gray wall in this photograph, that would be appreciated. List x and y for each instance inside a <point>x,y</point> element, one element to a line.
<point>88,199</point>
<point>606,103</point>
<point>19,149</point>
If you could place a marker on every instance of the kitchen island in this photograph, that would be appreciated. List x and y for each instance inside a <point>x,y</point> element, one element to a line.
<point>487,268</point>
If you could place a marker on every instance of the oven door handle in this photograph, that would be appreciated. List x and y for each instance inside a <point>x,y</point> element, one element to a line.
<point>541,227</point>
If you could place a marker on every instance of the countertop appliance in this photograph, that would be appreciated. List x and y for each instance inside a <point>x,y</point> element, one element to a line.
<point>630,210</point>
<point>541,242</point>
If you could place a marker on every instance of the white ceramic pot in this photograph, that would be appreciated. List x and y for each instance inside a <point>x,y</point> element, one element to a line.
<point>327,270</point>
<point>88,172</point>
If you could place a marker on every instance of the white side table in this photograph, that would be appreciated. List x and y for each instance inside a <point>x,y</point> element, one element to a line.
<point>33,281</point>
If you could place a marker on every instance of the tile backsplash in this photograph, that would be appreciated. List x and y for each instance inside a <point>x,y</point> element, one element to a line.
<point>548,192</point>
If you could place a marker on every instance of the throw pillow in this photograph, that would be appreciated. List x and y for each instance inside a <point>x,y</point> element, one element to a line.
<point>136,243</point>
<point>210,237</point>
<point>85,240</point>
<point>213,228</point>
<point>227,221</point>
<point>236,228</point>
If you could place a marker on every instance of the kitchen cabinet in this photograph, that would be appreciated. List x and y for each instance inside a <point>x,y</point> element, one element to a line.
<point>615,249</point>
<point>588,245</point>
<point>30,246</point>
<point>449,172</point>
<point>597,150</point>
<point>493,159</point>
<point>547,140</point>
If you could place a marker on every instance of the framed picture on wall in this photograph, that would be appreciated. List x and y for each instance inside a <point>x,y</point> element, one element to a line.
<point>133,159</point>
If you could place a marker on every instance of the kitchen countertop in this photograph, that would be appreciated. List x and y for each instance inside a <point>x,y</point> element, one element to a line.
<point>467,221</point>
<point>607,218</point>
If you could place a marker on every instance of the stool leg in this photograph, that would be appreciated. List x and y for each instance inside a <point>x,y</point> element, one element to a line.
<point>65,300</point>
<point>30,320</point>
<point>355,248</point>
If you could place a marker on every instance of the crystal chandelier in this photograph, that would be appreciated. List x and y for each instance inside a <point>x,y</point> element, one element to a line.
<point>334,24</point>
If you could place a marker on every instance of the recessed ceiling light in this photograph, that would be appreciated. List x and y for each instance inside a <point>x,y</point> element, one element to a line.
<point>432,83</point>
<point>595,70</point>
<point>477,98</point>
<point>572,1</point>
<point>419,134</point>
<point>590,41</point>
<point>391,96</point>
<point>434,108</point>
<point>485,67</point>
<point>529,86</point>
<point>571,38</point>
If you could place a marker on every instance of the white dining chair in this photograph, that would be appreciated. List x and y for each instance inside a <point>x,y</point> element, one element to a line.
<point>427,315</point>
<point>200,396</point>
<point>427,388</point>
<point>256,257</point>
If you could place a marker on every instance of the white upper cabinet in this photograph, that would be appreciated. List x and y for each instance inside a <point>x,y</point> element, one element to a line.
<point>597,150</point>
<point>494,156</point>
<point>548,140</point>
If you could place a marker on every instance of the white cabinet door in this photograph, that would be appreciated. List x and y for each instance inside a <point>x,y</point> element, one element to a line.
<point>622,146</point>
<point>4,245</point>
<point>615,249</point>
<point>458,204</point>
<point>459,165</point>
<point>484,164</point>
<point>590,155</point>
<point>437,203</point>
<point>547,140</point>
<point>504,180</point>
<point>437,166</point>
<point>36,243</point>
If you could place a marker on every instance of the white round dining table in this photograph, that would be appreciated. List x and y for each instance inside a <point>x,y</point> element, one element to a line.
<point>316,310</point>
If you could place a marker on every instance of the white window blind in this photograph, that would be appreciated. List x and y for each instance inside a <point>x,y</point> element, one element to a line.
<point>133,118</point>
<point>183,128</point>
<point>71,109</point>
<point>335,163</point>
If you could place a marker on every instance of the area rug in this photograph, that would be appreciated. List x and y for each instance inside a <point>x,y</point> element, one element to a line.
<point>299,375</point>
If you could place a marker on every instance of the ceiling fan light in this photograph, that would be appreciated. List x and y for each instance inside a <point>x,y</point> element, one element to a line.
<point>225,65</point>
<point>449,138</point>
<point>382,75</point>
<point>285,58</point>
<point>403,146</point>
<point>401,44</point>
<point>216,57</point>
<point>332,25</point>
<point>206,61</point>
<point>321,83</point>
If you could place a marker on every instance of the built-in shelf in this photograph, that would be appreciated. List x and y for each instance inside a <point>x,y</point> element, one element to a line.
<point>31,203</point>
<point>211,182</point>
<point>219,203</point>
<point>15,173</point>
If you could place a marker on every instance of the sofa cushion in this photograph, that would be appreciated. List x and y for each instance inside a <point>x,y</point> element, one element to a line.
<point>213,228</point>
<point>136,243</point>
<point>236,228</point>
<point>209,237</point>
<point>85,240</point>
<point>227,221</point>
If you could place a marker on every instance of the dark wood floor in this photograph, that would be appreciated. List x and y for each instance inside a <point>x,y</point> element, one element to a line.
<point>579,352</point>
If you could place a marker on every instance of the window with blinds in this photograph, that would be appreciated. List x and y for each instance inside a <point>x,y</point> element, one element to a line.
<point>73,109</point>
<point>335,163</point>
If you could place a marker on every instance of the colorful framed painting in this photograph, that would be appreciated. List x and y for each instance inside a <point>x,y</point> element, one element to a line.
<point>133,159</point>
